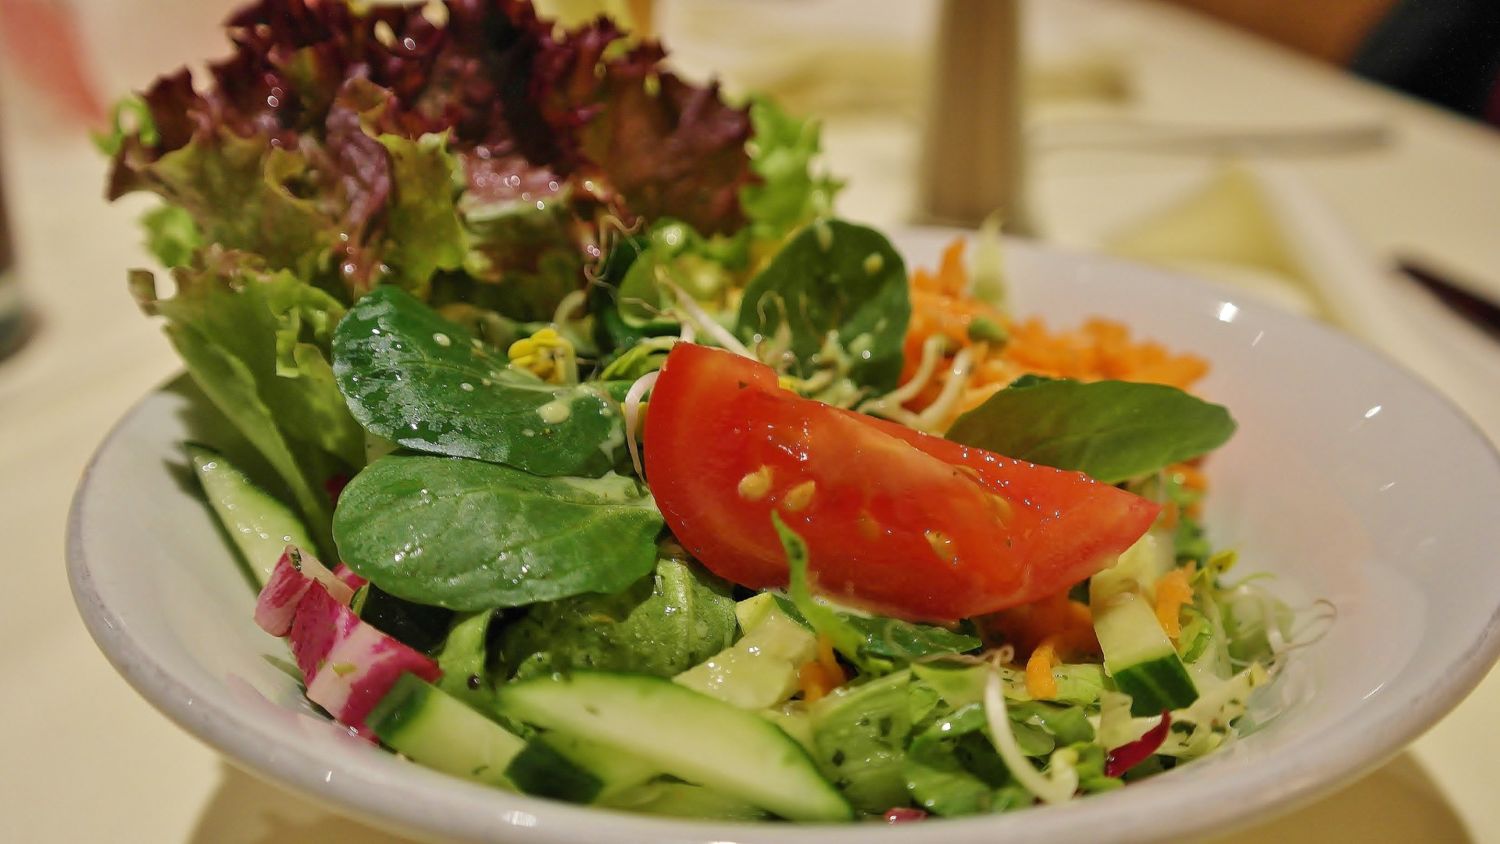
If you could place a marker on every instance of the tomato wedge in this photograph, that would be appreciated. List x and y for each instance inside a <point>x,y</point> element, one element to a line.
<point>897,521</point>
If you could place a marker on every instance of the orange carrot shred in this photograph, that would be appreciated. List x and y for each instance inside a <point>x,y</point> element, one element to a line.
<point>1173,590</point>
<point>1040,683</point>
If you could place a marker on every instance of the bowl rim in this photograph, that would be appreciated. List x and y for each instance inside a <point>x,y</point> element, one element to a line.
<point>1146,811</point>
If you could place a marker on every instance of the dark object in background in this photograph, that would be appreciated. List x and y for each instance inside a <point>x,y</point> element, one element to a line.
<point>1444,51</point>
<point>12,315</point>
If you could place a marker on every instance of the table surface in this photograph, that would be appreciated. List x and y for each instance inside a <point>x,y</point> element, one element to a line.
<point>86,759</point>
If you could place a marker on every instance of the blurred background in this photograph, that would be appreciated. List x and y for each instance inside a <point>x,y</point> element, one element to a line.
<point>1338,158</point>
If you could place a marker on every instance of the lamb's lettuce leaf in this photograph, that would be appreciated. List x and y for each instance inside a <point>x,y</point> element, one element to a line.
<point>833,281</point>
<point>469,535</point>
<point>428,384</point>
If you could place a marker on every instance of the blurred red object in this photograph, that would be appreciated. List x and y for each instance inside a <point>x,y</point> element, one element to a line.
<point>41,39</point>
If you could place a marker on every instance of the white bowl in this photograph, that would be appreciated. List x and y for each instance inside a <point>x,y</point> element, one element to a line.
<point>1348,479</point>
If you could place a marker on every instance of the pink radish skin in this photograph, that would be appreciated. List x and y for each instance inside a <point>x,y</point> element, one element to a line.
<point>347,576</point>
<point>289,580</point>
<point>280,596</point>
<point>348,665</point>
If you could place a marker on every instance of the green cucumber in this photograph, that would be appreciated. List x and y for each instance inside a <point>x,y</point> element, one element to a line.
<point>760,670</point>
<point>1136,570</point>
<point>688,735</point>
<point>550,764</point>
<point>260,526</point>
<point>1140,657</point>
<point>429,726</point>
<point>540,770</point>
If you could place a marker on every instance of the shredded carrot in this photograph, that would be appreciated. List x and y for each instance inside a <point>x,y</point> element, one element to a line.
<point>1040,683</point>
<point>813,682</point>
<point>822,674</point>
<point>1189,476</point>
<point>1173,590</point>
<point>1099,349</point>
<point>1170,515</point>
<point>1067,624</point>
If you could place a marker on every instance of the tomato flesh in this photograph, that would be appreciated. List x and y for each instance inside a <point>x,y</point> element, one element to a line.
<point>896,521</point>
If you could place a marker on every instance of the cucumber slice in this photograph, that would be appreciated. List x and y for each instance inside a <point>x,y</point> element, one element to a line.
<point>686,734</point>
<point>427,725</point>
<point>1140,657</point>
<point>541,770</point>
<point>550,764</point>
<point>260,526</point>
<point>1136,570</point>
<point>760,670</point>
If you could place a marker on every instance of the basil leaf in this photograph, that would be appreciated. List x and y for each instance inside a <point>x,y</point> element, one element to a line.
<point>423,382</point>
<point>468,535</point>
<point>1109,430</point>
<point>834,278</point>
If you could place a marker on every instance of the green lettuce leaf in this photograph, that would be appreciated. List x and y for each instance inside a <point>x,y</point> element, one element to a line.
<point>171,235</point>
<point>951,769</point>
<point>789,194</point>
<point>662,624</point>
<point>859,739</point>
<point>423,231</point>
<point>256,342</point>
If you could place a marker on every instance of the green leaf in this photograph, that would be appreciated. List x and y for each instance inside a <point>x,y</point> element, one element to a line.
<point>1090,767</point>
<point>662,625</point>
<point>672,253</point>
<point>463,659</point>
<point>833,278</point>
<point>950,768</point>
<point>902,642</point>
<point>847,639</point>
<point>423,382</point>
<point>789,194</point>
<point>889,643</point>
<point>171,235</point>
<point>423,227</point>
<point>256,344</point>
<point>469,535</point>
<point>859,740</point>
<point>1068,724</point>
<point>246,194</point>
<point>1109,430</point>
<point>521,259</point>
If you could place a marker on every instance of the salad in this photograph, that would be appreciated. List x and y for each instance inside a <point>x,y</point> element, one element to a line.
<point>641,479</point>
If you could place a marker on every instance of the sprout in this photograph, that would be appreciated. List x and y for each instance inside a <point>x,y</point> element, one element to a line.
<point>632,414</point>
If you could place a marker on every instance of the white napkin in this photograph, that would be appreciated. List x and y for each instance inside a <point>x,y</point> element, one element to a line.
<point>1259,226</point>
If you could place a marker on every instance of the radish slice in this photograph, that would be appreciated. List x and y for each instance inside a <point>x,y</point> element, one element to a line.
<point>293,573</point>
<point>360,670</point>
<point>320,623</point>
<point>1127,756</point>
<point>348,577</point>
<point>347,664</point>
<point>278,600</point>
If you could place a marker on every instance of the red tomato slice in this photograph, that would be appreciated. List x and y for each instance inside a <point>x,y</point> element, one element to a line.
<point>896,521</point>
